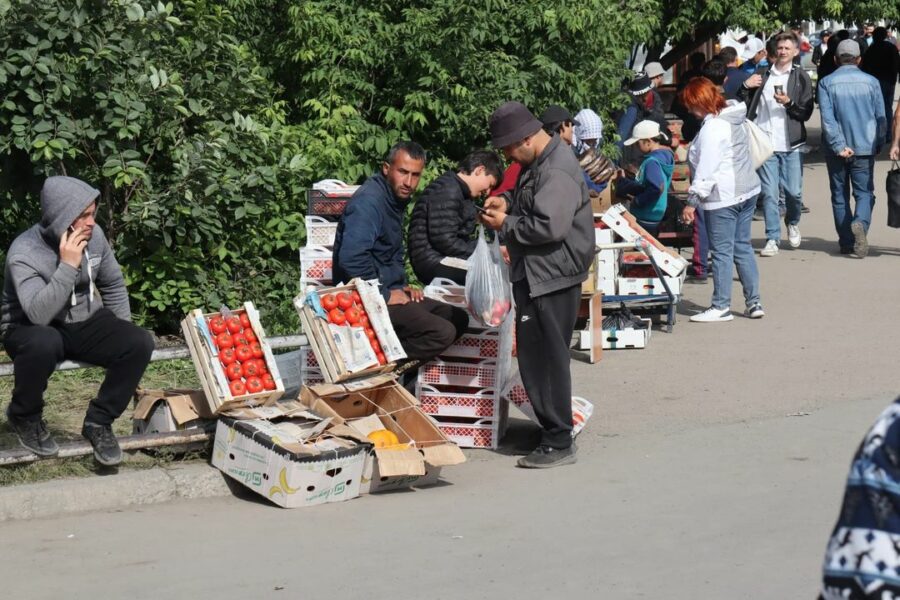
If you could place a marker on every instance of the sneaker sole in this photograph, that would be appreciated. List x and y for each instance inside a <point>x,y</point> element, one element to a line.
<point>108,463</point>
<point>41,453</point>
<point>719,320</point>
<point>524,464</point>
<point>860,242</point>
<point>758,315</point>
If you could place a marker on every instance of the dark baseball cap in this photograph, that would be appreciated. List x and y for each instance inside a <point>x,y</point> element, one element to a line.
<point>511,123</point>
<point>557,114</point>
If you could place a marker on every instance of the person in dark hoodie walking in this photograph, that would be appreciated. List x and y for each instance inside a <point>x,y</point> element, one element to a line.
<point>548,227</point>
<point>64,297</point>
<point>442,226</point>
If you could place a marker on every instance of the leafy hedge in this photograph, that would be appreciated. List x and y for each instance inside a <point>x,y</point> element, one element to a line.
<point>203,124</point>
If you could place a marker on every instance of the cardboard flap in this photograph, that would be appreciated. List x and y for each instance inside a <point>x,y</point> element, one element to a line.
<point>444,455</point>
<point>405,461</point>
<point>348,432</point>
<point>185,405</point>
<point>291,408</point>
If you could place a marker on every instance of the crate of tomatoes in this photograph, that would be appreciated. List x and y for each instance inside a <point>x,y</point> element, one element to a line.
<point>350,331</point>
<point>232,357</point>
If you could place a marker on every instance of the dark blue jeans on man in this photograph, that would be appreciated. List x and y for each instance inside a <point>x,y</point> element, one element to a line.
<point>845,174</point>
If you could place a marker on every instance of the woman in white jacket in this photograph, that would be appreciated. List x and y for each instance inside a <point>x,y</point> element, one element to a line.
<point>724,184</point>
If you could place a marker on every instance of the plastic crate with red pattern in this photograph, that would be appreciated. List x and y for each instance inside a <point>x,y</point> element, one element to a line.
<point>480,433</point>
<point>443,402</point>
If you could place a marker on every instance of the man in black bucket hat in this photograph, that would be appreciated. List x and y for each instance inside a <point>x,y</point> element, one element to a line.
<point>548,228</point>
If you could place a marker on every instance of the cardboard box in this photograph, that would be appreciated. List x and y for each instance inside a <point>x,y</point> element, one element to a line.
<point>381,397</point>
<point>278,461</point>
<point>624,224</point>
<point>648,286</point>
<point>331,344</point>
<point>630,338</point>
<point>163,411</point>
<point>205,356</point>
<point>589,285</point>
<point>681,172</point>
<point>600,202</point>
<point>681,152</point>
<point>680,186</point>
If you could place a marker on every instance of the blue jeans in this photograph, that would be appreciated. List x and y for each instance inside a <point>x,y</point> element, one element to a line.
<point>729,240</point>
<point>858,172</point>
<point>784,171</point>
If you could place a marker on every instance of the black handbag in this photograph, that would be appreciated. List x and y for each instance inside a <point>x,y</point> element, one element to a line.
<point>893,195</point>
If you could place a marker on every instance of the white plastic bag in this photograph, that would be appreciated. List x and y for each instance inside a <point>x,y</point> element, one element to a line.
<point>488,293</point>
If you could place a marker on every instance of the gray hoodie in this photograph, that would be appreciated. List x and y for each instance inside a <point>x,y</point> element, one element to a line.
<point>38,288</point>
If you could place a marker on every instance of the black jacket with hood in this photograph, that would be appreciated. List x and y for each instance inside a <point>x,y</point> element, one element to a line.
<point>799,109</point>
<point>442,224</point>
<point>40,289</point>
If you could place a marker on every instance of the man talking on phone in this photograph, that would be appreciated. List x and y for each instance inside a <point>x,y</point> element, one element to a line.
<point>64,297</point>
<point>780,100</point>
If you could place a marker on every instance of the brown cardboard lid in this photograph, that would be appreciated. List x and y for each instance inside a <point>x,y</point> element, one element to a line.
<point>185,404</point>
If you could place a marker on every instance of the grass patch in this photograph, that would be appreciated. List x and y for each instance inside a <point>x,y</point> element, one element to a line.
<point>66,400</point>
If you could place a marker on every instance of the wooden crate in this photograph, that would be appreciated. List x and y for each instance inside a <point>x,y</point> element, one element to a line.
<point>209,369</point>
<point>334,368</point>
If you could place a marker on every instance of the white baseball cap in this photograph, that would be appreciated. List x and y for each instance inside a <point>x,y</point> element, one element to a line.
<point>752,47</point>
<point>654,69</point>
<point>645,130</point>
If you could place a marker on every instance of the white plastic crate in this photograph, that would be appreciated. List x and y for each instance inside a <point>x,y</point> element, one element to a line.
<point>474,375</point>
<point>309,284</point>
<point>320,231</point>
<point>476,345</point>
<point>645,286</point>
<point>315,263</point>
<point>483,433</point>
<point>440,403</point>
<point>582,409</point>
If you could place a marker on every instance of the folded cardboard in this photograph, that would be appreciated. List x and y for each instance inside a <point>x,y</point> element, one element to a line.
<point>294,462</point>
<point>382,397</point>
<point>163,411</point>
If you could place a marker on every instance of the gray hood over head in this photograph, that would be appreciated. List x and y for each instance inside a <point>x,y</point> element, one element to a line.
<point>62,200</point>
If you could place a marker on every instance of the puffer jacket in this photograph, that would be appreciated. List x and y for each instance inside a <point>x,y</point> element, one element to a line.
<point>549,231</point>
<point>442,224</point>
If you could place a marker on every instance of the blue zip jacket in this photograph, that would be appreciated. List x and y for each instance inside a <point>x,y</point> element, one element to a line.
<point>369,238</point>
<point>852,110</point>
<point>651,188</point>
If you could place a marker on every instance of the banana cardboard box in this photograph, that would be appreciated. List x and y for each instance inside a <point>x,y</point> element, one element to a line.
<point>300,459</point>
<point>380,403</point>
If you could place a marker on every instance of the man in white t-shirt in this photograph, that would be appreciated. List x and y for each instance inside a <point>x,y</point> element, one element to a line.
<point>780,100</point>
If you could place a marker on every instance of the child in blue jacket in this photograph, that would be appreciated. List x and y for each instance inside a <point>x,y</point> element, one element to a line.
<point>650,189</point>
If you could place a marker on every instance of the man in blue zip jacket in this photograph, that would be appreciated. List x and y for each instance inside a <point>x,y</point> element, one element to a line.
<point>369,244</point>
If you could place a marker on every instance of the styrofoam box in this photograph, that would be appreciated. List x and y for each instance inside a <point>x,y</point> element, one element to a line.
<point>603,236</point>
<point>320,231</point>
<point>607,286</point>
<point>442,403</point>
<point>645,286</point>
<point>607,264</point>
<point>670,264</point>
<point>624,339</point>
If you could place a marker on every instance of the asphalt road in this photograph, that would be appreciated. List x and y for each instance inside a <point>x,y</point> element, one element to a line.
<point>713,468</point>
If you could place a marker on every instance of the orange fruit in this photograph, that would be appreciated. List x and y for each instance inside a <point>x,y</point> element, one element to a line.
<point>382,438</point>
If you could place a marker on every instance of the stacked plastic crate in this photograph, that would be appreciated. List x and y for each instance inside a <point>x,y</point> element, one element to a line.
<point>461,389</point>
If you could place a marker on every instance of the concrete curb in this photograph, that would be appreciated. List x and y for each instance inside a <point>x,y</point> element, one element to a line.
<point>129,488</point>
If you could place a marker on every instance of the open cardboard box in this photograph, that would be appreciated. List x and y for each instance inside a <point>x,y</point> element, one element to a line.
<point>356,404</point>
<point>163,411</point>
<point>290,456</point>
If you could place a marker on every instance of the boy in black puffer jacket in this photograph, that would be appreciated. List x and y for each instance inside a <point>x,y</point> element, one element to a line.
<point>444,218</point>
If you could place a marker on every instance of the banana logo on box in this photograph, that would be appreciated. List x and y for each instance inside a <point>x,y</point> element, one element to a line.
<point>283,488</point>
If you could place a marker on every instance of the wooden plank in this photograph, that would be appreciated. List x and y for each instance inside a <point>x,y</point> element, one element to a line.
<point>198,358</point>
<point>596,326</point>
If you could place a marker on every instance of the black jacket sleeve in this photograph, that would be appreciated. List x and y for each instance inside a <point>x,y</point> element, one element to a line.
<point>801,108</point>
<point>447,231</point>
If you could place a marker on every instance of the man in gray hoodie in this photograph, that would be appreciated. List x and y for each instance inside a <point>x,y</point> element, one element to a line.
<point>64,298</point>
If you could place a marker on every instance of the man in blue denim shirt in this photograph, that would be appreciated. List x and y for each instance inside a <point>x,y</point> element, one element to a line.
<point>853,130</point>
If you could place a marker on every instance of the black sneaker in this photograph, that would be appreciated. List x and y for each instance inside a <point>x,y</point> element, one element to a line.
<point>846,250</point>
<point>804,208</point>
<point>860,242</point>
<point>545,457</point>
<point>106,448</point>
<point>34,436</point>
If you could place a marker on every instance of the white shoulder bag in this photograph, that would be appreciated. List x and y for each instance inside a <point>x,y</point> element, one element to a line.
<point>760,145</point>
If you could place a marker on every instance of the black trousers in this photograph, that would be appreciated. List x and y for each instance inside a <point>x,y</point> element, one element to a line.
<point>427,275</point>
<point>103,340</point>
<point>427,328</point>
<point>544,328</point>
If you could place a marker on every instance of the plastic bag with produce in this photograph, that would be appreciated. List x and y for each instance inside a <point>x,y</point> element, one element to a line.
<point>488,293</point>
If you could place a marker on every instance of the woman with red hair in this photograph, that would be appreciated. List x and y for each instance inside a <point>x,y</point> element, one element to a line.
<point>724,185</point>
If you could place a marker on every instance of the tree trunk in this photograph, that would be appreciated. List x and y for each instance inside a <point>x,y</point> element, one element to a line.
<point>685,46</point>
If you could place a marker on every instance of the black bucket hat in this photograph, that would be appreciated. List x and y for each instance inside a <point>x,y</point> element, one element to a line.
<point>512,122</point>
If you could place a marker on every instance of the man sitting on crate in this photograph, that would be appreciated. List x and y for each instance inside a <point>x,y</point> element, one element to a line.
<point>64,298</point>
<point>369,245</point>
<point>548,227</point>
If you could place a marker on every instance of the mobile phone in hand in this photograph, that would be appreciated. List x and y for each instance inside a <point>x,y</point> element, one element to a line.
<point>481,209</point>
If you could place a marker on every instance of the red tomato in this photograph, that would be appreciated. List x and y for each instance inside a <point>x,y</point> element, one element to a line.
<point>268,382</point>
<point>250,369</point>
<point>329,302</point>
<point>217,325</point>
<point>239,340</point>
<point>254,385</point>
<point>261,365</point>
<point>381,359</point>
<point>243,353</point>
<point>227,356</point>
<point>237,388</point>
<point>256,349</point>
<point>354,295</point>
<point>251,337</point>
<point>223,340</point>
<point>233,323</point>
<point>352,315</point>
<point>234,371</point>
<point>245,320</point>
<point>344,300</point>
<point>363,319</point>
<point>370,333</point>
<point>375,345</point>
<point>336,316</point>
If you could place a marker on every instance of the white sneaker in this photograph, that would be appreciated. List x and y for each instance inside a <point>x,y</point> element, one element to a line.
<point>794,238</point>
<point>755,311</point>
<point>771,249</point>
<point>713,315</point>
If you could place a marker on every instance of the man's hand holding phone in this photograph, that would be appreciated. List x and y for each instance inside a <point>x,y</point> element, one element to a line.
<point>72,245</point>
